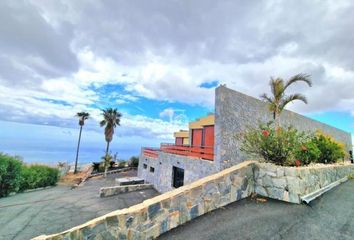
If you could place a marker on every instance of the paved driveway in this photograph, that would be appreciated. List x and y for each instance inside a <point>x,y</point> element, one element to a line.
<point>329,217</point>
<point>27,215</point>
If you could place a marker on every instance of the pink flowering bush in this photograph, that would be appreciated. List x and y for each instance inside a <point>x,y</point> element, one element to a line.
<point>289,147</point>
<point>276,146</point>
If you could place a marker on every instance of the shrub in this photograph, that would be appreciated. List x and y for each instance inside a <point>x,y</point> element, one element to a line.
<point>96,166</point>
<point>308,152</point>
<point>122,164</point>
<point>330,150</point>
<point>37,176</point>
<point>10,174</point>
<point>134,162</point>
<point>276,146</point>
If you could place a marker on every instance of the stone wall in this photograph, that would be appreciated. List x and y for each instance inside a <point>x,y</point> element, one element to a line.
<point>157,215</point>
<point>291,183</point>
<point>161,178</point>
<point>235,111</point>
<point>111,191</point>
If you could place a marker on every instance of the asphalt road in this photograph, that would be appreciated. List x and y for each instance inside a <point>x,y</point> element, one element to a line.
<point>328,217</point>
<point>28,215</point>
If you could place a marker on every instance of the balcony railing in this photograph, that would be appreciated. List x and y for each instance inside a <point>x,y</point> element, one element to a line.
<point>190,151</point>
<point>151,152</point>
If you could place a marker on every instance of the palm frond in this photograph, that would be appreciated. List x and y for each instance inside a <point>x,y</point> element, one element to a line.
<point>83,115</point>
<point>299,78</point>
<point>266,98</point>
<point>291,98</point>
<point>103,123</point>
<point>277,88</point>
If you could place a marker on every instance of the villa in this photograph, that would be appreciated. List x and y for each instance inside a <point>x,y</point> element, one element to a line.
<point>210,145</point>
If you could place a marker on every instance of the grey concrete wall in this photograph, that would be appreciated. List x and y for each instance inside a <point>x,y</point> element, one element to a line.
<point>235,111</point>
<point>194,169</point>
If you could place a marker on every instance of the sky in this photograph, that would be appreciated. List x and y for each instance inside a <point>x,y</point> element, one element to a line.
<point>158,62</point>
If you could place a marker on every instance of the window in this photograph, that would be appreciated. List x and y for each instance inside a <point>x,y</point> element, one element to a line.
<point>152,169</point>
<point>178,177</point>
<point>145,166</point>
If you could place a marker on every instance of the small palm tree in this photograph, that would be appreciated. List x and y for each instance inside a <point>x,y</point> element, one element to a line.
<point>111,119</point>
<point>83,116</point>
<point>279,100</point>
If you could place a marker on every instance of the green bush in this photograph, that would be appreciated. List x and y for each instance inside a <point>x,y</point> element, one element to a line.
<point>134,162</point>
<point>15,176</point>
<point>122,164</point>
<point>308,152</point>
<point>37,176</point>
<point>331,151</point>
<point>10,174</point>
<point>288,147</point>
<point>276,146</point>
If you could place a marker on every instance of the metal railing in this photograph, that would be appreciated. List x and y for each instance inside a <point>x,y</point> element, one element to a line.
<point>204,152</point>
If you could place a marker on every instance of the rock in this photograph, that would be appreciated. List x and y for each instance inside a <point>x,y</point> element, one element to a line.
<point>279,182</point>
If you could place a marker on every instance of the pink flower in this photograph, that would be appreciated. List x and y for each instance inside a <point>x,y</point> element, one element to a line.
<point>265,133</point>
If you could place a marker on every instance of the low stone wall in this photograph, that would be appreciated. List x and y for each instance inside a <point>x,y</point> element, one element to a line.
<point>290,183</point>
<point>157,215</point>
<point>111,191</point>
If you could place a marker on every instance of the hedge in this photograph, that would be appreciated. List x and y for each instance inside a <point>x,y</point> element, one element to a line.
<point>16,176</point>
<point>10,174</point>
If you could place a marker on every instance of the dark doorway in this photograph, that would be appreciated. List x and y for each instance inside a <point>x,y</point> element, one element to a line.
<point>178,177</point>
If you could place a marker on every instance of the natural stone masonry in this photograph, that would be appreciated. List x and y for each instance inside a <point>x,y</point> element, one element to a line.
<point>291,183</point>
<point>111,191</point>
<point>157,215</point>
<point>161,178</point>
<point>234,112</point>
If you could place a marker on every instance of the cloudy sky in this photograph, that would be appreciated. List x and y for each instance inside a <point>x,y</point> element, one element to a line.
<point>158,63</point>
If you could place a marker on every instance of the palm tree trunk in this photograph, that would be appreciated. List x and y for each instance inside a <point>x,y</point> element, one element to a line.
<point>106,165</point>
<point>107,148</point>
<point>77,150</point>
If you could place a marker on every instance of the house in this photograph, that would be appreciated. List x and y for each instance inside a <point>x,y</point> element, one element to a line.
<point>210,144</point>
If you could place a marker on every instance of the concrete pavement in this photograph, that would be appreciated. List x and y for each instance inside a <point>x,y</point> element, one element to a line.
<point>27,215</point>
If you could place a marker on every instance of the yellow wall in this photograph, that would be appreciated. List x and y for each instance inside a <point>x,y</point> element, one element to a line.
<point>182,133</point>
<point>205,121</point>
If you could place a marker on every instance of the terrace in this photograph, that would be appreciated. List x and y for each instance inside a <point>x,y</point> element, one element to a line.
<point>197,142</point>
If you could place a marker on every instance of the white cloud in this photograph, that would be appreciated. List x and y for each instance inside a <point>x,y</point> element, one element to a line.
<point>165,51</point>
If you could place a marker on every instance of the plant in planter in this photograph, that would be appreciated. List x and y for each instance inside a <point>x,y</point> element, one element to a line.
<point>331,150</point>
<point>307,153</point>
<point>273,145</point>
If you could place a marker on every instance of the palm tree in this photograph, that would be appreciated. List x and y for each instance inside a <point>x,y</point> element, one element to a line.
<point>279,100</point>
<point>82,117</point>
<point>111,119</point>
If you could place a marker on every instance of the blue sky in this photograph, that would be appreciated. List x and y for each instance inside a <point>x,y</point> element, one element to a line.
<point>159,63</point>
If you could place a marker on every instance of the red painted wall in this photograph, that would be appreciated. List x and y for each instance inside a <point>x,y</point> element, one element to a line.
<point>179,141</point>
<point>197,136</point>
<point>209,136</point>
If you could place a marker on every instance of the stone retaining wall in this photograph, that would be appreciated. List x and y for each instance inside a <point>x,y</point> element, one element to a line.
<point>290,183</point>
<point>110,191</point>
<point>157,215</point>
